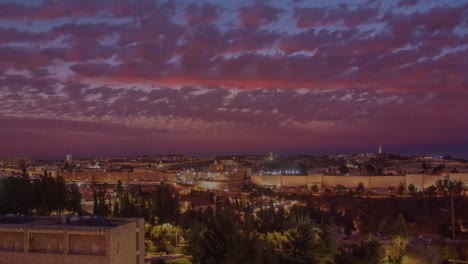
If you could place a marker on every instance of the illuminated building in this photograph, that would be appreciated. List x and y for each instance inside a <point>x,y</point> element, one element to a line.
<point>69,157</point>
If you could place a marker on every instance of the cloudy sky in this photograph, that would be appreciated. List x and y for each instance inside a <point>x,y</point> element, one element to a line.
<point>247,76</point>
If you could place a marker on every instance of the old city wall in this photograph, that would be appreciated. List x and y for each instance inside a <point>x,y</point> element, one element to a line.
<point>114,176</point>
<point>460,176</point>
<point>331,182</point>
<point>424,181</point>
<point>269,180</point>
<point>322,181</point>
<point>217,185</point>
<point>372,182</point>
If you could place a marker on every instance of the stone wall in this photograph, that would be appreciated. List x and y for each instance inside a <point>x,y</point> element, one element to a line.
<point>114,176</point>
<point>219,185</point>
<point>371,182</point>
<point>330,182</point>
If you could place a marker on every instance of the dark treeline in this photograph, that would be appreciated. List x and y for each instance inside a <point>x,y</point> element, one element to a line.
<point>159,206</point>
<point>255,230</point>
<point>43,196</point>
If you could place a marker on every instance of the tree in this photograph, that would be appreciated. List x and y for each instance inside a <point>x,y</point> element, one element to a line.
<point>413,190</point>
<point>344,169</point>
<point>398,249</point>
<point>119,189</point>
<point>380,171</point>
<point>315,188</point>
<point>128,208</point>
<point>370,170</point>
<point>438,169</point>
<point>401,189</point>
<point>74,199</point>
<point>447,157</point>
<point>430,254</point>
<point>164,203</point>
<point>400,233</point>
<point>326,247</point>
<point>431,191</point>
<point>340,189</point>
<point>447,187</point>
<point>425,167</point>
<point>101,207</point>
<point>61,194</point>
<point>24,173</point>
<point>268,192</point>
<point>299,242</point>
<point>368,252</point>
<point>360,189</point>
<point>95,203</point>
<point>164,237</point>
<point>399,228</point>
<point>222,238</point>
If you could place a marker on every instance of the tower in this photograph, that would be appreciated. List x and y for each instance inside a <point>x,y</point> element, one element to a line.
<point>69,157</point>
<point>380,150</point>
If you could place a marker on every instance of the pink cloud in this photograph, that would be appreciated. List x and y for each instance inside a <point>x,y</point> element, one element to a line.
<point>258,14</point>
<point>246,77</point>
<point>201,13</point>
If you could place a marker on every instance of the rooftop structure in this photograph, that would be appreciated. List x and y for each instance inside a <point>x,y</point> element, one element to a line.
<point>71,239</point>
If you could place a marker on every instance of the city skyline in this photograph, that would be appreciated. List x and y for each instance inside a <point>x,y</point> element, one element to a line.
<point>218,77</point>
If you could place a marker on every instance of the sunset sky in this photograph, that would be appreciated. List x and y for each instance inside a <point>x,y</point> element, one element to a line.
<point>118,78</point>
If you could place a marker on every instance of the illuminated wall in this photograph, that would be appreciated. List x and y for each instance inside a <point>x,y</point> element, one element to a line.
<point>372,182</point>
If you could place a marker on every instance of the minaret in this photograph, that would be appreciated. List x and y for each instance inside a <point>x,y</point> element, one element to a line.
<point>380,150</point>
<point>69,157</point>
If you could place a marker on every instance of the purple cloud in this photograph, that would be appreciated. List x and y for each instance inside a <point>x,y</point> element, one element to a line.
<point>246,76</point>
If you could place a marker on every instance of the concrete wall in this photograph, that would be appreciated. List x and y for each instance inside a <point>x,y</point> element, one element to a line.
<point>46,243</point>
<point>11,241</point>
<point>372,182</point>
<point>84,244</point>
<point>44,258</point>
<point>123,243</point>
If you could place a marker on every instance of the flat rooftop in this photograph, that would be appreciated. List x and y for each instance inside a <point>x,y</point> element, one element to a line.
<point>69,222</point>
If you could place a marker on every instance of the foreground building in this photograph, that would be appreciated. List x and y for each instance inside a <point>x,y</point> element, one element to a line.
<point>70,240</point>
